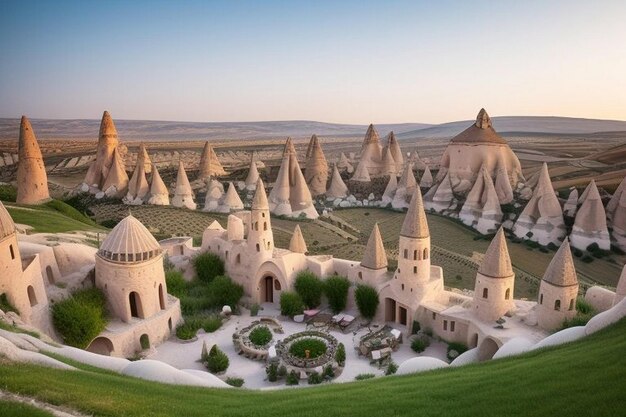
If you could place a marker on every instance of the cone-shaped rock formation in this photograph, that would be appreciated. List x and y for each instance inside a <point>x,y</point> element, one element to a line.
<point>32,180</point>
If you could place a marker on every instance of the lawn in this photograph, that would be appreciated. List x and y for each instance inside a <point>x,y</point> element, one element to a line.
<point>581,378</point>
<point>53,217</point>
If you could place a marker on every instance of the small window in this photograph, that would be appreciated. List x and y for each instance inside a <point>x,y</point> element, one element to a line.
<point>264,225</point>
<point>571,304</point>
<point>415,255</point>
<point>445,325</point>
<point>406,254</point>
<point>277,286</point>
<point>434,316</point>
<point>262,214</point>
<point>258,248</point>
<point>31,296</point>
<point>425,253</point>
<point>360,275</point>
<point>541,299</point>
<point>485,293</point>
<point>452,323</point>
<point>269,245</point>
<point>507,294</point>
<point>557,305</point>
<point>12,251</point>
<point>226,255</point>
<point>415,270</point>
<point>402,287</point>
<point>238,259</point>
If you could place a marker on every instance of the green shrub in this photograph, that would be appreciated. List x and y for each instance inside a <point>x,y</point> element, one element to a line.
<point>416,327</point>
<point>455,349</point>
<point>282,371</point>
<point>293,378</point>
<point>187,330</point>
<point>80,318</point>
<point>225,292</point>
<point>315,347</point>
<point>366,300</point>
<point>235,382</point>
<point>336,290</point>
<point>144,342</point>
<point>584,313</point>
<point>329,373</point>
<point>340,354</point>
<point>272,372</point>
<point>176,284</point>
<point>583,307</point>
<point>8,193</point>
<point>254,310</point>
<point>217,361</point>
<point>208,266</point>
<point>291,304</point>
<point>419,345</point>
<point>315,378</point>
<point>392,368</point>
<point>361,377</point>
<point>309,287</point>
<point>5,304</point>
<point>70,212</point>
<point>260,336</point>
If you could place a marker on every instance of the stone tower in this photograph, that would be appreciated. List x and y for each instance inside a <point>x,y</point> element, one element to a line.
<point>414,246</point>
<point>32,181</point>
<point>129,269</point>
<point>107,142</point>
<point>493,291</point>
<point>260,236</point>
<point>558,290</point>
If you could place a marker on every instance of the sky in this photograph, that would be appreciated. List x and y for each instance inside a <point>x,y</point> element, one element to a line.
<point>332,61</point>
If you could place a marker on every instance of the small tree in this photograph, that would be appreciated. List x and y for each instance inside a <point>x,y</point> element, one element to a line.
<point>290,304</point>
<point>225,292</point>
<point>340,354</point>
<point>336,290</point>
<point>310,288</point>
<point>329,373</point>
<point>293,378</point>
<point>392,368</point>
<point>272,372</point>
<point>208,266</point>
<point>217,361</point>
<point>366,300</point>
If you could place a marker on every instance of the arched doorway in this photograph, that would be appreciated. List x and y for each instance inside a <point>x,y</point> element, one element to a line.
<point>31,296</point>
<point>267,289</point>
<point>161,297</point>
<point>390,309</point>
<point>101,346</point>
<point>136,310</point>
<point>487,349</point>
<point>50,275</point>
<point>473,341</point>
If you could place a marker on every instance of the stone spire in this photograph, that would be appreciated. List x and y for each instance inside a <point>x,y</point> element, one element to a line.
<point>440,196</point>
<point>371,155</point>
<point>289,148</point>
<point>361,174</point>
<point>571,205</point>
<point>209,163</point>
<point>343,164</point>
<point>116,183</point>
<point>337,188</point>
<point>481,209</point>
<point>138,186</point>
<point>297,243</point>
<point>427,178</point>
<point>390,190</point>
<point>497,263</point>
<point>107,142</point>
<point>183,194</point>
<point>375,256</point>
<point>590,224</point>
<point>483,121</point>
<point>395,150</point>
<point>614,203</point>
<point>32,180</point>
<point>561,271</point>
<point>214,195</point>
<point>159,195</point>
<point>144,158</point>
<point>316,168</point>
<point>253,175</point>
<point>259,202</point>
<point>503,185</point>
<point>388,164</point>
<point>415,224</point>
<point>232,201</point>
<point>407,180</point>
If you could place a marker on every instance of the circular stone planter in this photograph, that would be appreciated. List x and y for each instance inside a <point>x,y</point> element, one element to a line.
<point>303,365</point>
<point>243,344</point>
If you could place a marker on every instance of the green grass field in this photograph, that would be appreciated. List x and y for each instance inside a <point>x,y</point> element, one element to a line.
<point>580,378</point>
<point>52,217</point>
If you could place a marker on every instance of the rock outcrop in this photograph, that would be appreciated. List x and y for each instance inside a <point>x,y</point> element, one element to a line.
<point>159,195</point>
<point>481,209</point>
<point>440,197</point>
<point>32,180</point>
<point>253,175</point>
<point>590,224</point>
<point>427,178</point>
<point>231,201</point>
<point>214,195</point>
<point>337,188</point>
<point>316,168</point>
<point>138,187</point>
<point>343,164</point>
<point>107,142</point>
<point>571,205</point>
<point>116,183</point>
<point>210,165</point>
<point>183,194</point>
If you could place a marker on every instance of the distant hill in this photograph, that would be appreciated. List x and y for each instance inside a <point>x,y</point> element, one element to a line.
<point>523,124</point>
<point>165,130</point>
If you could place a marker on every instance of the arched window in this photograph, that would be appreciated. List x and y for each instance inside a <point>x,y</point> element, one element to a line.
<point>425,254</point>
<point>269,245</point>
<point>406,254</point>
<point>264,225</point>
<point>360,275</point>
<point>258,248</point>
<point>402,287</point>
<point>12,251</point>
<point>238,258</point>
<point>415,255</point>
<point>161,297</point>
<point>541,299</point>
<point>485,293</point>
<point>50,274</point>
<point>31,296</point>
<point>571,304</point>
<point>136,309</point>
<point>507,294</point>
<point>557,305</point>
<point>277,286</point>
<point>415,270</point>
<point>226,255</point>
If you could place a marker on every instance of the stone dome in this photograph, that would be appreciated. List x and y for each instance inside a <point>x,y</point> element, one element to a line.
<point>129,242</point>
<point>7,227</point>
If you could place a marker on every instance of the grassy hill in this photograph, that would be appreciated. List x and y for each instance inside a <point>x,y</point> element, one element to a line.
<point>52,217</point>
<point>580,378</point>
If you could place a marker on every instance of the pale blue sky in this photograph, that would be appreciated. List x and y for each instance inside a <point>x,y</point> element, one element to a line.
<point>345,61</point>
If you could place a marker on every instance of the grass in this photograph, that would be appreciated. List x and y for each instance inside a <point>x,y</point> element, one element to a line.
<point>19,409</point>
<point>581,378</point>
<point>6,326</point>
<point>52,217</point>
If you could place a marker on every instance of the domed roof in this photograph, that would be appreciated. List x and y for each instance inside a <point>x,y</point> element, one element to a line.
<point>7,227</point>
<point>479,132</point>
<point>129,241</point>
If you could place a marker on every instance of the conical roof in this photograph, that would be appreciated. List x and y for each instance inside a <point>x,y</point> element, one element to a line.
<point>183,188</point>
<point>232,199</point>
<point>427,178</point>
<point>396,151</point>
<point>209,163</point>
<point>561,271</point>
<point>415,224</point>
<point>253,173</point>
<point>129,241</point>
<point>259,202</point>
<point>157,187</point>
<point>7,227</point>
<point>337,188</point>
<point>32,180</point>
<point>479,132</point>
<point>497,263</point>
<point>297,243</point>
<point>375,256</point>
<point>117,176</point>
<point>591,216</point>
